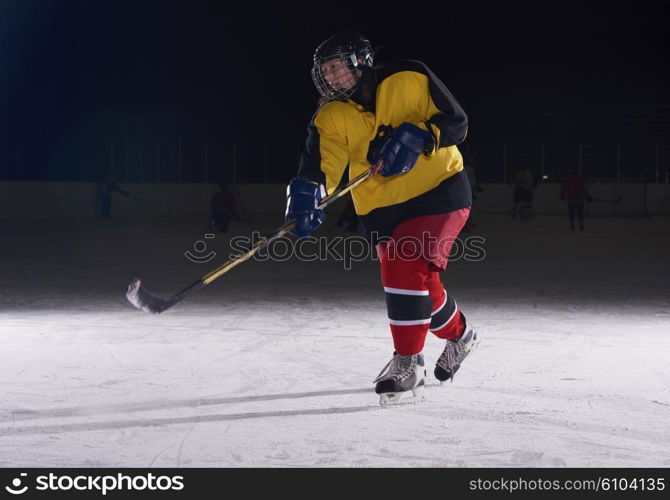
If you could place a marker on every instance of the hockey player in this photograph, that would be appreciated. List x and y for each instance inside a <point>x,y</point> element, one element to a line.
<point>574,192</point>
<point>106,186</point>
<point>402,119</point>
<point>223,208</point>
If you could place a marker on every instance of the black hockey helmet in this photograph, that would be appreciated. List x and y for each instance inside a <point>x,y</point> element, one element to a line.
<point>350,47</point>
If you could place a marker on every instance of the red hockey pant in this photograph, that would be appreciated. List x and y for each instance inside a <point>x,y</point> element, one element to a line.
<point>410,272</point>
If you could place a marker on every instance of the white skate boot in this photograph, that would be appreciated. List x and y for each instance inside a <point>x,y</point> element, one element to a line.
<point>402,380</point>
<point>454,353</point>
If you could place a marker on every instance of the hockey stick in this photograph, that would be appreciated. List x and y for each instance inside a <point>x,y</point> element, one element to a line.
<point>144,300</point>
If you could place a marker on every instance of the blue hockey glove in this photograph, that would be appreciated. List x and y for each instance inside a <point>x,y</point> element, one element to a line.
<point>401,150</point>
<point>302,198</point>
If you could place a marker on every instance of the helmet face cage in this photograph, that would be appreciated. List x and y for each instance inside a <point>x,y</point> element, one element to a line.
<point>346,74</point>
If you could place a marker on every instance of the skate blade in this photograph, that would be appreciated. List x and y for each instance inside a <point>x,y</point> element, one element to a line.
<point>475,344</point>
<point>471,347</point>
<point>402,398</point>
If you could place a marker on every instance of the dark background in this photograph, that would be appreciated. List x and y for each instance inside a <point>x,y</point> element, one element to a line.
<point>178,91</point>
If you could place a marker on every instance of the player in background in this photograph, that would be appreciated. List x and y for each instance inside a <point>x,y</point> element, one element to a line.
<point>348,219</point>
<point>223,208</point>
<point>404,120</point>
<point>524,187</point>
<point>574,192</point>
<point>106,186</point>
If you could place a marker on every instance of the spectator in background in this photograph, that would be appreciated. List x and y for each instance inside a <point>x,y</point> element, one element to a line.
<point>223,207</point>
<point>348,218</point>
<point>524,186</point>
<point>105,188</point>
<point>574,192</point>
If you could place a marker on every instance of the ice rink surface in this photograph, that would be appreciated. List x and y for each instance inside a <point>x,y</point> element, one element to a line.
<point>272,365</point>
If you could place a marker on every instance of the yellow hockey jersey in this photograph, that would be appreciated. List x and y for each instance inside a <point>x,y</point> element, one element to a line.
<point>345,134</point>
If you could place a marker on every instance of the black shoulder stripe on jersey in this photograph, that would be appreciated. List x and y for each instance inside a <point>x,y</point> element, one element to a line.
<point>310,159</point>
<point>452,122</point>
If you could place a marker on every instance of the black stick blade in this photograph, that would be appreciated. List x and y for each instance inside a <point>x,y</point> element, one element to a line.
<point>145,301</point>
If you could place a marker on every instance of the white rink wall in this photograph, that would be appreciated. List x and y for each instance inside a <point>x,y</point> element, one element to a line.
<point>497,198</point>
<point>67,200</point>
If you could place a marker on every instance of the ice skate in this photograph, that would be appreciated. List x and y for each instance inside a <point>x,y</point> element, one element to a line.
<point>454,353</point>
<point>402,380</point>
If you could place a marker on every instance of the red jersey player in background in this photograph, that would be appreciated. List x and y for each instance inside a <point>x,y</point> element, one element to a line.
<point>574,192</point>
